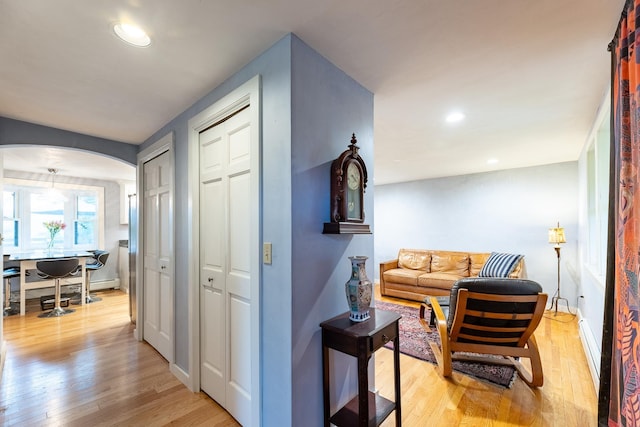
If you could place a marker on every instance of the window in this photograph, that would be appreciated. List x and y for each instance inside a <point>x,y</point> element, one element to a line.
<point>10,224</point>
<point>84,225</point>
<point>29,204</point>
<point>598,194</point>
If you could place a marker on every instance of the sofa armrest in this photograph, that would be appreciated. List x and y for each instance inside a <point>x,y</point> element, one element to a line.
<point>388,265</point>
<point>384,266</point>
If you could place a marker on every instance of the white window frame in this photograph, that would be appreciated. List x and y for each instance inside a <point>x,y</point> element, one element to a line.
<point>597,159</point>
<point>24,188</point>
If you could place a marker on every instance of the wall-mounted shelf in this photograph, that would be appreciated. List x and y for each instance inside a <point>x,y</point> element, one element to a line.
<point>345,228</point>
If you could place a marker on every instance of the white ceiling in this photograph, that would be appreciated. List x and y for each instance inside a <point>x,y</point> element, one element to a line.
<point>529,75</point>
<point>67,162</point>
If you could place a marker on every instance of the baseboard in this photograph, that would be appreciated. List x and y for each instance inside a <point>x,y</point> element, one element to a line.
<point>3,357</point>
<point>106,284</point>
<point>181,375</point>
<point>591,350</point>
<point>95,286</point>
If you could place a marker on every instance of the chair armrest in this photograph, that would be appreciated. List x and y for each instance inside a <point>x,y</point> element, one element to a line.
<point>437,310</point>
<point>443,332</point>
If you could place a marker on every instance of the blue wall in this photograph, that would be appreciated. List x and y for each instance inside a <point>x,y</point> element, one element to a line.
<point>15,132</point>
<point>327,107</point>
<point>309,111</point>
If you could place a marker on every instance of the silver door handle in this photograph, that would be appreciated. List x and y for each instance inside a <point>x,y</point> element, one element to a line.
<point>210,280</point>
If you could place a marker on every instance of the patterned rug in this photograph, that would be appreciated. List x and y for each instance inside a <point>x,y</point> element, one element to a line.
<point>414,341</point>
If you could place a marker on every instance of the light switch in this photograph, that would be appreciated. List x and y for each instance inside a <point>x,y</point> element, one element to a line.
<point>266,253</point>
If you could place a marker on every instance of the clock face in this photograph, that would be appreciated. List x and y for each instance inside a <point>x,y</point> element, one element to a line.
<point>353,176</point>
<point>354,185</point>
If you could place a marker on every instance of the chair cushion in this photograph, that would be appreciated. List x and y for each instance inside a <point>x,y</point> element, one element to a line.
<point>476,261</point>
<point>403,276</point>
<point>438,280</point>
<point>490,285</point>
<point>414,259</point>
<point>450,263</point>
<point>499,265</point>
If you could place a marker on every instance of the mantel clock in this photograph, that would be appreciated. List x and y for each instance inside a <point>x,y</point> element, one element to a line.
<point>348,184</point>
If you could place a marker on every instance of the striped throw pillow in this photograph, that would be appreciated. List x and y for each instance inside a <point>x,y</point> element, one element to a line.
<point>499,265</point>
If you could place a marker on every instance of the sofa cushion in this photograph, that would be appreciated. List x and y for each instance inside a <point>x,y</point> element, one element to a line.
<point>438,280</point>
<point>500,265</point>
<point>477,260</point>
<point>414,259</point>
<point>450,263</point>
<point>402,275</point>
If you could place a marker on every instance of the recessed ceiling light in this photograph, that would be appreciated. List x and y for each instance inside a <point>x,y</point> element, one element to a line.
<point>455,117</point>
<point>132,34</point>
<point>492,161</point>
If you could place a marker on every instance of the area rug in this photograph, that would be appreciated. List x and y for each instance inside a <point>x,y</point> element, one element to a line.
<point>414,341</point>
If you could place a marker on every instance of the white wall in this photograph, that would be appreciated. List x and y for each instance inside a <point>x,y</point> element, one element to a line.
<point>503,211</point>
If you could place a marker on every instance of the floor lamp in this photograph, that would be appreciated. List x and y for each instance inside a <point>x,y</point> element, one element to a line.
<point>556,237</point>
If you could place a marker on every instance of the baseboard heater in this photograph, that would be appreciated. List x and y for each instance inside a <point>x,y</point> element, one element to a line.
<point>95,286</point>
<point>591,350</point>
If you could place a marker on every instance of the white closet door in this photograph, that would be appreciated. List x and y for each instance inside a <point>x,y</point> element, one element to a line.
<point>225,269</point>
<point>158,300</point>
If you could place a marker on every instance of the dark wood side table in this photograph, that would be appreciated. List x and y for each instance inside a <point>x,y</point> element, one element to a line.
<point>361,340</point>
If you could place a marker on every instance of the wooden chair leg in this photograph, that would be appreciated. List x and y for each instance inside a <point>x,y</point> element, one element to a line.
<point>447,367</point>
<point>536,377</point>
<point>443,356</point>
<point>422,319</point>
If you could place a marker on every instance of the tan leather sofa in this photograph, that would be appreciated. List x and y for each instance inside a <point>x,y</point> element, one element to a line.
<point>420,272</point>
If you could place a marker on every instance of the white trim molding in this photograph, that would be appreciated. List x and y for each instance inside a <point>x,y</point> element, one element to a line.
<point>591,350</point>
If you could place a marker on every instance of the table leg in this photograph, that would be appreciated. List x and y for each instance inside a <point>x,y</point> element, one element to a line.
<point>396,374</point>
<point>325,383</point>
<point>23,291</point>
<point>83,292</point>
<point>363,385</point>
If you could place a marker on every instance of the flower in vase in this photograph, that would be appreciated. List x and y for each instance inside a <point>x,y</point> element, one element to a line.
<point>53,227</point>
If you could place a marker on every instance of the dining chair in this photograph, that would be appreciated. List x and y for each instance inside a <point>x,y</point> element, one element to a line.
<point>8,274</point>
<point>57,269</point>
<point>99,260</point>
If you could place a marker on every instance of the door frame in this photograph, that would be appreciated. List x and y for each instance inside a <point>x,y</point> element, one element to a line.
<point>246,94</point>
<point>163,145</point>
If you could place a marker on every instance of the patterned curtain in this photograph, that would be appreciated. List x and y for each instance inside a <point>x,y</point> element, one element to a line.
<point>620,376</point>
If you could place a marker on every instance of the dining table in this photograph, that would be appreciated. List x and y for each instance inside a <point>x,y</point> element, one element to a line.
<point>28,260</point>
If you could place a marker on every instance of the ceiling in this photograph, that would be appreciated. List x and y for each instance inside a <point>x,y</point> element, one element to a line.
<point>528,75</point>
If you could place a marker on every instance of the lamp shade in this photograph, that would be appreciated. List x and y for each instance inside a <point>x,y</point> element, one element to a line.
<point>556,235</point>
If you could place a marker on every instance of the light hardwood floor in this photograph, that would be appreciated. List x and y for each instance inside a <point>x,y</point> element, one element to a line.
<point>86,369</point>
<point>567,398</point>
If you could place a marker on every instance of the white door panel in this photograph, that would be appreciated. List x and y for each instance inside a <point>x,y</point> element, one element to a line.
<point>158,255</point>
<point>225,264</point>
<point>212,356</point>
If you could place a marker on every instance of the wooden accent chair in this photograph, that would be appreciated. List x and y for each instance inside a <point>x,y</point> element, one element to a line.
<point>489,316</point>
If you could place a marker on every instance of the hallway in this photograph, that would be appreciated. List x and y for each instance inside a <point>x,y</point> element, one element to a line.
<point>87,369</point>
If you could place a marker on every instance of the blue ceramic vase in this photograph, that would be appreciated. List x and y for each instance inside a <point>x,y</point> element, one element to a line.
<point>359,290</point>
